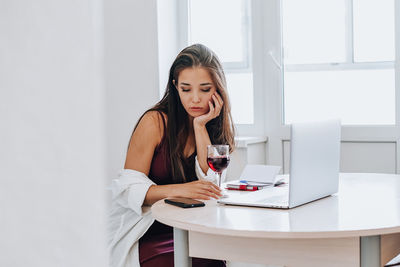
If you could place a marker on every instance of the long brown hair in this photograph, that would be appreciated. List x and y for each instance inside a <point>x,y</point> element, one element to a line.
<point>220,129</point>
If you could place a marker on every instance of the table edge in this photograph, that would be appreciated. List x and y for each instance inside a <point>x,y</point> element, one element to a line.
<point>267,234</point>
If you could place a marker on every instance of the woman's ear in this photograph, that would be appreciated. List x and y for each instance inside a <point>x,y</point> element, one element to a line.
<point>176,87</point>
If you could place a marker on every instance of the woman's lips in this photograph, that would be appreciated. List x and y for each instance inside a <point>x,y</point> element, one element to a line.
<point>196,108</point>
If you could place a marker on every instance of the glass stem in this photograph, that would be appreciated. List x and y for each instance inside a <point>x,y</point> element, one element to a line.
<point>219,179</point>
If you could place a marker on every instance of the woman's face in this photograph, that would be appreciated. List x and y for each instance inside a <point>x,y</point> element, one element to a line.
<point>195,87</point>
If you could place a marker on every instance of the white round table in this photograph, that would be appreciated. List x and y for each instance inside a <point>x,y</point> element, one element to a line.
<point>359,226</point>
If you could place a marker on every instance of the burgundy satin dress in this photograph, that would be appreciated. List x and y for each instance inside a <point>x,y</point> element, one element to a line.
<point>156,247</point>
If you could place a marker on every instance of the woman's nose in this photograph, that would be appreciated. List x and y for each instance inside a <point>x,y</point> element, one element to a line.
<point>196,98</point>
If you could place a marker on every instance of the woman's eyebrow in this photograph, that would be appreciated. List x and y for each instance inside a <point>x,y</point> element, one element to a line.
<point>202,84</point>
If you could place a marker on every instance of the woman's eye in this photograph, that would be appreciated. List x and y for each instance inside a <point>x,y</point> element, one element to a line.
<point>206,90</point>
<point>185,90</point>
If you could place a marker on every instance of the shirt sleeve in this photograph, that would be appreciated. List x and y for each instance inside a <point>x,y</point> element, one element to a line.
<point>210,175</point>
<point>130,188</point>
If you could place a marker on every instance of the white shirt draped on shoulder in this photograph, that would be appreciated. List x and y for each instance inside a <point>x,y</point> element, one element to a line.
<point>129,219</point>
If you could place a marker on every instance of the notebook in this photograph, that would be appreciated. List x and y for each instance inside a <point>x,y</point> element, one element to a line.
<point>256,177</point>
<point>314,169</point>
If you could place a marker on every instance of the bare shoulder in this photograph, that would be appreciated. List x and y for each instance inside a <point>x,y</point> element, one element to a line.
<point>153,123</point>
<point>150,127</point>
<point>149,130</point>
<point>145,138</point>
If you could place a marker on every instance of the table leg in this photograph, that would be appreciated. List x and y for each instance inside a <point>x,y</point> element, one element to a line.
<point>181,248</point>
<point>370,250</point>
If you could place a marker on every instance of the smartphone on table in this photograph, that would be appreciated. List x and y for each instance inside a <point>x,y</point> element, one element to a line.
<point>184,202</point>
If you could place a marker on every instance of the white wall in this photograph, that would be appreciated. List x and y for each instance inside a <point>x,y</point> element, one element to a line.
<point>169,38</point>
<point>131,71</point>
<point>52,141</point>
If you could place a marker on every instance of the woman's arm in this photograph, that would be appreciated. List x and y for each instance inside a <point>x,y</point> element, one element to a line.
<point>144,140</point>
<point>200,131</point>
<point>197,190</point>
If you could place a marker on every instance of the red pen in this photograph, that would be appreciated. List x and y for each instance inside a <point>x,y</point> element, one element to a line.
<point>242,187</point>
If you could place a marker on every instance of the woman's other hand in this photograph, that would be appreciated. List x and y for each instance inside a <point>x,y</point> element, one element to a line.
<point>215,108</point>
<point>197,190</point>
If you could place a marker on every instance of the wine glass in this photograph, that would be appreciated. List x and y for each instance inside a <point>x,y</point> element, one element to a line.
<point>218,159</point>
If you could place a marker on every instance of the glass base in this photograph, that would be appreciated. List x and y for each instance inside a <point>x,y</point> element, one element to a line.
<point>224,193</point>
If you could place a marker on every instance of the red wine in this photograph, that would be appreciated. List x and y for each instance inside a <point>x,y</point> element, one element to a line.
<point>218,164</point>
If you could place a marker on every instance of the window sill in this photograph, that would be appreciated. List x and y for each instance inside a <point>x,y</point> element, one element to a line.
<point>244,141</point>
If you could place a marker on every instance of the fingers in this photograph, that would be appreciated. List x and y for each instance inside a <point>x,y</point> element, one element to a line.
<point>216,187</point>
<point>211,188</point>
<point>203,194</point>
<point>204,190</point>
<point>216,102</point>
<point>210,194</point>
<point>212,108</point>
<point>208,183</point>
<point>218,105</point>
<point>221,102</point>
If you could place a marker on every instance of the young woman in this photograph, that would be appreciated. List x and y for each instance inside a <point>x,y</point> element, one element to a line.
<point>167,157</point>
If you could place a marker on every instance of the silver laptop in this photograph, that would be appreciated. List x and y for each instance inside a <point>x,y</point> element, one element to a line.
<point>314,169</point>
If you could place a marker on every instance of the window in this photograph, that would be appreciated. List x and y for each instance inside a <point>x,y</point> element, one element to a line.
<point>339,59</point>
<point>224,26</point>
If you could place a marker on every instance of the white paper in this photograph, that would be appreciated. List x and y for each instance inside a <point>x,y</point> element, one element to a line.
<point>260,173</point>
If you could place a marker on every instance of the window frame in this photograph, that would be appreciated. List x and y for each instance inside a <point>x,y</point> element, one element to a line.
<point>276,130</point>
<point>250,64</point>
<point>244,65</point>
<point>267,63</point>
<point>350,63</point>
